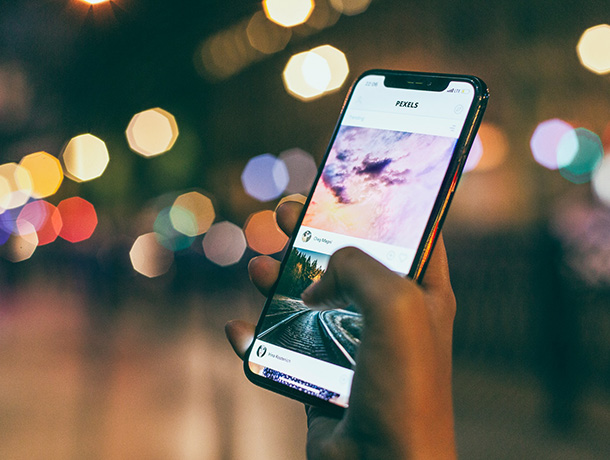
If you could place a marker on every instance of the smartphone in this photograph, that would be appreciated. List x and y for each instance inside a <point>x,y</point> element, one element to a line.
<point>384,186</point>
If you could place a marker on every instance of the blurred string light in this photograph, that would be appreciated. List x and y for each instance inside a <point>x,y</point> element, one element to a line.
<point>165,232</point>
<point>288,13</point>
<point>45,171</point>
<point>45,219</point>
<point>84,158</point>
<point>263,234</point>
<point>579,153</point>
<point>150,258</point>
<point>16,186</point>
<point>224,243</point>
<point>226,53</point>
<point>594,49</point>
<point>489,149</point>
<point>152,132</point>
<point>265,177</point>
<point>312,73</point>
<point>601,181</point>
<point>545,141</point>
<point>350,7</point>
<point>79,219</point>
<point>192,214</point>
<point>266,36</point>
<point>302,170</point>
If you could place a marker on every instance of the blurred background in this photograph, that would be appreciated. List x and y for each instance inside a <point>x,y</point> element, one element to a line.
<point>144,145</point>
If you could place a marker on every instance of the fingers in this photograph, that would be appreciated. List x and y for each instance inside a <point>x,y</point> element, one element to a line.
<point>437,272</point>
<point>287,214</point>
<point>263,272</point>
<point>240,335</point>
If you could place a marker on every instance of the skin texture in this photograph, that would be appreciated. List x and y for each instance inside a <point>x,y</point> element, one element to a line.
<point>401,403</point>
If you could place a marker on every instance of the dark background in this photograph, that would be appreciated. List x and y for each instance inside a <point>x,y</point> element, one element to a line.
<point>99,361</point>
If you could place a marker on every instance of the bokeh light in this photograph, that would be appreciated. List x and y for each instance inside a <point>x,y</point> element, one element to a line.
<point>476,152</point>
<point>200,215</point>
<point>545,141</point>
<point>579,153</point>
<point>265,177</point>
<point>266,36</point>
<point>79,219</point>
<point>302,170</point>
<point>45,219</point>
<point>288,13</point>
<point>16,188</point>
<point>594,49</point>
<point>294,197</point>
<point>350,7</point>
<point>94,2</point>
<point>167,234</point>
<point>149,258</point>
<point>224,243</point>
<point>8,224</point>
<point>22,244</point>
<point>152,132</point>
<point>323,16</point>
<point>495,146</point>
<point>310,74</point>
<point>263,234</point>
<point>45,171</point>
<point>85,158</point>
<point>601,181</point>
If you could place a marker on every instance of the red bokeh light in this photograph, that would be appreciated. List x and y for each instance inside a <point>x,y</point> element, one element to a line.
<point>79,219</point>
<point>45,218</point>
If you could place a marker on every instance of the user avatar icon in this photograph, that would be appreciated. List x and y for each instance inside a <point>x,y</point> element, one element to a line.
<point>306,236</point>
<point>261,351</point>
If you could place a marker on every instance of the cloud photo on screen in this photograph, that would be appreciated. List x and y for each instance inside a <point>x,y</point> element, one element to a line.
<point>380,185</point>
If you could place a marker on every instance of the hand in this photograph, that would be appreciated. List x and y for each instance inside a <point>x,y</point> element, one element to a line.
<point>401,403</point>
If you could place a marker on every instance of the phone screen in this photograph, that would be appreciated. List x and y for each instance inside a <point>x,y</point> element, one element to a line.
<point>384,170</point>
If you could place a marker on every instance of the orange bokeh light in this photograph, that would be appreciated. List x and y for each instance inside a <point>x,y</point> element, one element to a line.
<point>45,171</point>
<point>263,234</point>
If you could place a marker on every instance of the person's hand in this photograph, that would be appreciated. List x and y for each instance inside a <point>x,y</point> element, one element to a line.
<point>400,404</point>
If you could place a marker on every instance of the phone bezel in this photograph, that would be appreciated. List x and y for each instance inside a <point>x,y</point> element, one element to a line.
<point>420,81</point>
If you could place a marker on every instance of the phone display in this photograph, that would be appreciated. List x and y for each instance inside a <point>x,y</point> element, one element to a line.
<point>384,187</point>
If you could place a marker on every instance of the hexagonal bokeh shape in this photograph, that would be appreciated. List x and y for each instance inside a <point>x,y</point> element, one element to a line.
<point>288,13</point>
<point>594,49</point>
<point>545,141</point>
<point>79,219</point>
<point>152,132</point>
<point>15,186</point>
<point>263,234</point>
<point>84,158</point>
<point>44,217</point>
<point>149,258</point>
<point>224,243</point>
<point>46,173</point>
<point>265,177</point>
<point>310,74</point>
<point>199,206</point>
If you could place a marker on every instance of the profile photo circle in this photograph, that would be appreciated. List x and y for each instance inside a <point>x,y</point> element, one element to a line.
<point>262,350</point>
<point>306,236</point>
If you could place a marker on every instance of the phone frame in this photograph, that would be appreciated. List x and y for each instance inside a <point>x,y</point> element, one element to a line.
<point>409,80</point>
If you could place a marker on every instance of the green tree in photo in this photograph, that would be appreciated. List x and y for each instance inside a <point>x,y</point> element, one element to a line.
<point>300,271</point>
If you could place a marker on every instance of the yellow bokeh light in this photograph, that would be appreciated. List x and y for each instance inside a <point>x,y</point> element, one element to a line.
<point>266,36</point>
<point>152,132</point>
<point>17,189</point>
<point>350,7</point>
<point>45,171</point>
<point>85,158</point>
<point>594,49</point>
<point>337,64</point>
<point>202,209</point>
<point>288,13</point>
<point>94,2</point>
<point>310,74</point>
